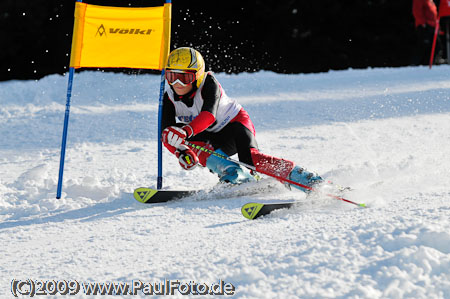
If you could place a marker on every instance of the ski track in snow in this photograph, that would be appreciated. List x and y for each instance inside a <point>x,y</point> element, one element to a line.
<point>385,132</point>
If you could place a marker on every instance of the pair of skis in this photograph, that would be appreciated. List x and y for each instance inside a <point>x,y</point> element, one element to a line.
<point>251,210</point>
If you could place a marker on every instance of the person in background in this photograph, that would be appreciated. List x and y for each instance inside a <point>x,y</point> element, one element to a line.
<point>197,109</point>
<point>425,17</point>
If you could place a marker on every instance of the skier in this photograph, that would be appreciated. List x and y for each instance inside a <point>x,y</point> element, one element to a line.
<point>197,109</point>
<point>425,20</point>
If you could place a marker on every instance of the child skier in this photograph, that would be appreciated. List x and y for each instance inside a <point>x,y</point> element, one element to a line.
<point>196,109</point>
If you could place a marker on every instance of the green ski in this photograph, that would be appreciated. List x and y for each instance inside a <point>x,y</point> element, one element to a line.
<point>254,210</point>
<point>149,195</point>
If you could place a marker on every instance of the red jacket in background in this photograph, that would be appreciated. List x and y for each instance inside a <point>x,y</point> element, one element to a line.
<point>424,12</point>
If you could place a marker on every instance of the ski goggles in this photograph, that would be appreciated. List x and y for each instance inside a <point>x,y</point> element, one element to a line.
<point>183,77</point>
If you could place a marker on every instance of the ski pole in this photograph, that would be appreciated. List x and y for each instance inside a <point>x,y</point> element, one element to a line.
<point>268,173</point>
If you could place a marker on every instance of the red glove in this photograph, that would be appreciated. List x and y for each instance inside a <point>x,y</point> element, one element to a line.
<point>174,136</point>
<point>187,158</point>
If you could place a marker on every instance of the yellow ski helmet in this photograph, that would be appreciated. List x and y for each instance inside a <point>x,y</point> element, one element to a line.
<point>187,59</point>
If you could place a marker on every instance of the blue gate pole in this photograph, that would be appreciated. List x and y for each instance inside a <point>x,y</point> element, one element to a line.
<point>161,97</point>
<point>66,124</point>
<point>64,137</point>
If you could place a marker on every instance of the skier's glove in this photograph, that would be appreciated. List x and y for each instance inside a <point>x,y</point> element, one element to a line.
<point>186,157</point>
<point>174,136</point>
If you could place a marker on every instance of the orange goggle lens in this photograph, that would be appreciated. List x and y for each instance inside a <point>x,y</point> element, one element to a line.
<point>185,78</point>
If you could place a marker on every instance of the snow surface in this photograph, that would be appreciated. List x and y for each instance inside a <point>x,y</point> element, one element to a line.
<point>385,132</point>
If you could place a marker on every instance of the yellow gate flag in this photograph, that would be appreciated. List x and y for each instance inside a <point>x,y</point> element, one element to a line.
<point>105,36</point>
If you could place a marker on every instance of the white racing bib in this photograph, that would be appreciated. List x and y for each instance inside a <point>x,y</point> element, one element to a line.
<point>226,111</point>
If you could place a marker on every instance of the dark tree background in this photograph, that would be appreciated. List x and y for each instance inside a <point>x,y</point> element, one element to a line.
<point>289,36</point>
